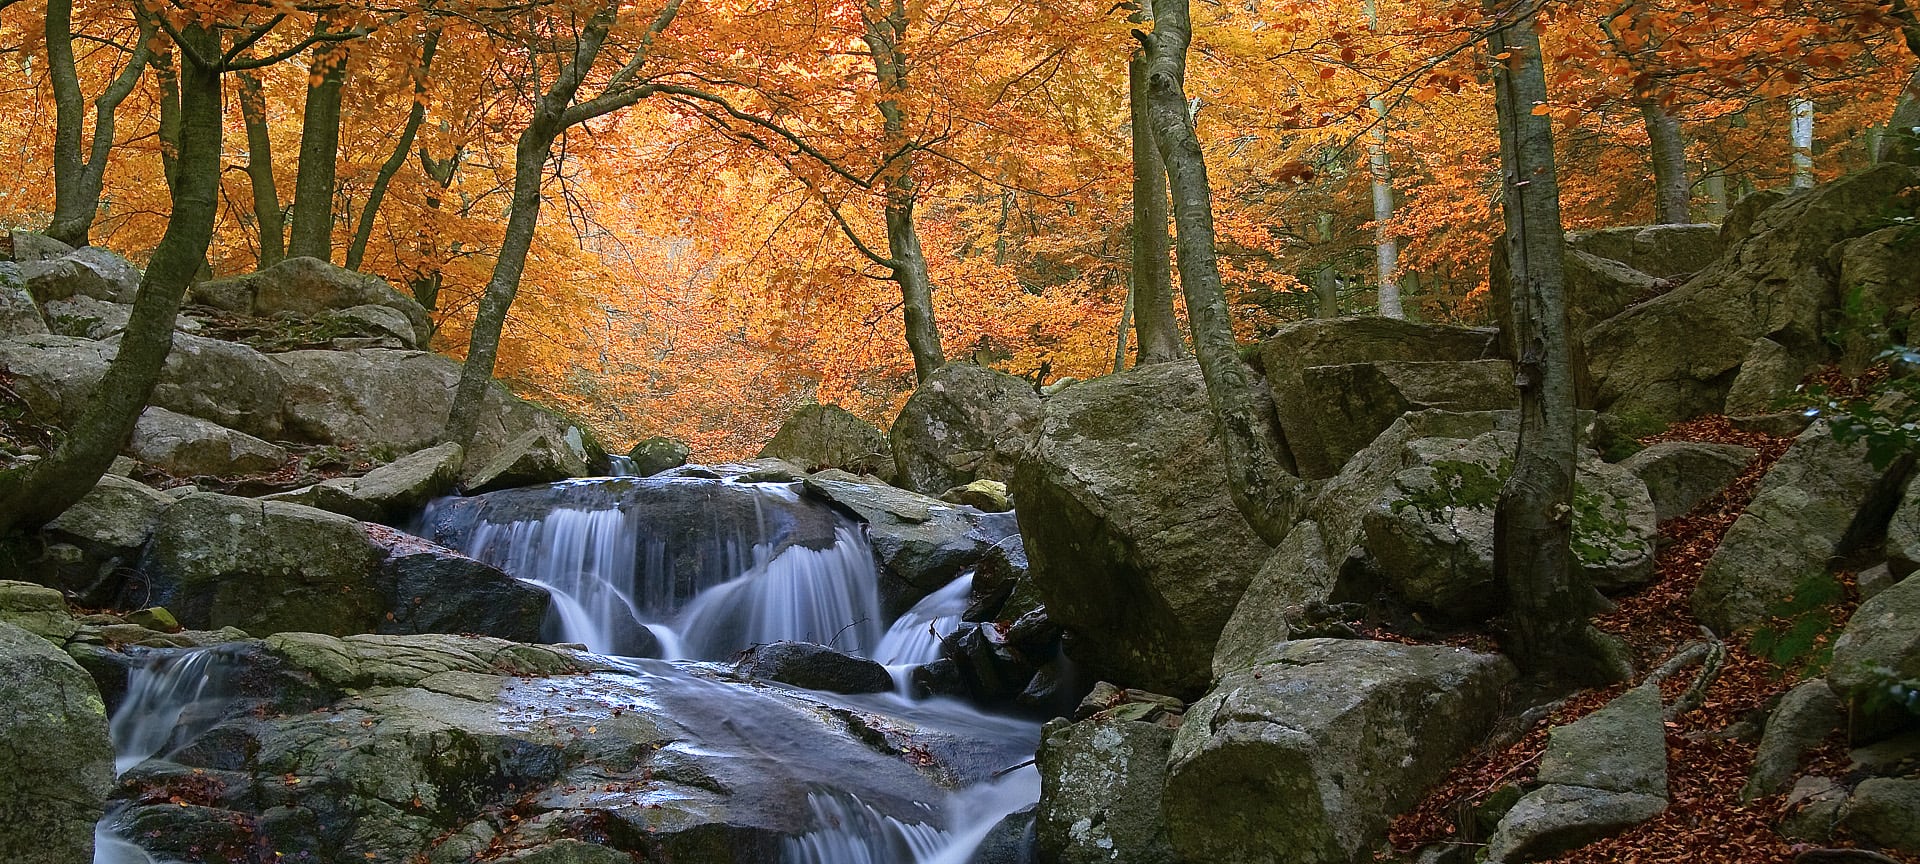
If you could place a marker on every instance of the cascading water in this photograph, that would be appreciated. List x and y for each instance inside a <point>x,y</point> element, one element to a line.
<point>915,637</point>
<point>172,696</point>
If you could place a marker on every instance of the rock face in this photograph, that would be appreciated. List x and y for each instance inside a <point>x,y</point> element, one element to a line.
<point>306,288</point>
<point>19,314</point>
<point>1306,754</point>
<point>1676,356</point>
<point>1664,251</point>
<point>964,423</point>
<point>1682,474</point>
<point>535,457</point>
<point>1100,786</point>
<point>105,531</point>
<point>1358,401</point>
<point>56,763</point>
<point>829,436</point>
<point>1298,347</point>
<point>922,543</point>
<point>1880,646</point>
<point>91,271</point>
<point>1133,543</point>
<point>1603,773</point>
<point>1882,291</point>
<point>1815,502</point>
<point>814,667</point>
<point>189,446</point>
<point>1903,532</point>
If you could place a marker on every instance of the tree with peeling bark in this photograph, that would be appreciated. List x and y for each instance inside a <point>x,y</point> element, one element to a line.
<point>1549,603</point>
<point>1267,494</point>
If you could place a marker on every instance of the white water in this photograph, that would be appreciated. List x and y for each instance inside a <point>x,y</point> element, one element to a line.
<point>914,639</point>
<point>172,696</point>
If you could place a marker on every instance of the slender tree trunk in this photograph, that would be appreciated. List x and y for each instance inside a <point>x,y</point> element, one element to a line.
<point>80,172</point>
<point>1386,253</point>
<point>1716,189</point>
<point>1262,488</point>
<point>415,116</point>
<point>311,233</point>
<point>883,37</point>
<point>425,287</point>
<point>1548,634</point>
<point>32,496</point>
<point>1902,141</point>
<point>1801,134</point>
<point>169,78</point>
<point>1151,288</point>
<point>1672,194</point>
<point>266,192</point>
<point>1326,280</point>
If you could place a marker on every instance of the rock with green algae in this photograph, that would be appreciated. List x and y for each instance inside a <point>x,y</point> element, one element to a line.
<point>56,762</point>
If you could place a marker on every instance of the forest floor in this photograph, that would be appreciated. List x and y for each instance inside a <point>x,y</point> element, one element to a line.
<point>1708,759</point>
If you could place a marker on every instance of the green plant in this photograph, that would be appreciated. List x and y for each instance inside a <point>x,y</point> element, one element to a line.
<point>1799,636</point>
<point>1885,416</point>
<point>1888,691</point>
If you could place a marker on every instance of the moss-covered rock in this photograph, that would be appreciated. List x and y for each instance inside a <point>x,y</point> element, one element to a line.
<point>55,760</point>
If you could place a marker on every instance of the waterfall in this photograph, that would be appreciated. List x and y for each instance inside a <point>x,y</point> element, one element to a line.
<point>172,697</point>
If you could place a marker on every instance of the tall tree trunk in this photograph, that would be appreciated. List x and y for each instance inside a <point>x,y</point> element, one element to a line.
<point>415,116</point>
<point>1123,331</point>
<point>34,495</point>
<point>1152,283</point>
<point>1672,194</point>
<point>1801,135</point>
<point>884,34</point>
<point>311,233</point>
<point>1902,141</point>
<point>425,286</point>
<point>1262,488</point>
<point>266,192</point>
<point>169,78</point>
<point>1548,634</point>
<point>80,172</point>
<point>1386,253</point>
<point>1326,280</point>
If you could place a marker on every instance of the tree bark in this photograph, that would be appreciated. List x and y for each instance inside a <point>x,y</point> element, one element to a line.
<point>169,78</point>
<point>425,286</point>
<point>1262,488</point>
<point>1672,194</point>
<point>884,34</point>
<point>266,193</point>
<point>311,233</point>
<point>1902,141</point>
<point>1800,133</point>
<point>1548,634</point>
<point>415,116</point>
<point>1151,291</point>
<point>1123,331</point>
<point>79,172</point>
<point>34,495</point>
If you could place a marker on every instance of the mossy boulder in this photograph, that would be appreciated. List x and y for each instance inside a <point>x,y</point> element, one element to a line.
<point>56,762</point>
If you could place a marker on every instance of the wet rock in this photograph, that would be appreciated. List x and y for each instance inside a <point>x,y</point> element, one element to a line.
<point>1011,841</point>
<point>814,667</point>
<point>654,455</point>
<point>1134,545</point>
<point>432,589</point>
<point>189,447</point>
<point>90,271</point>
<point>829,436</point>
<point>1805,512</point>
<point>1100,785</point>
<point>306,288</point>
<point>1682,474</point>
<point>923,543</point>
<point>1805,717</point>
<point>999,574</point>
<point>533,458</point>
<point>964,423</point>
<point>1305,754</point>
<point>56,763</point>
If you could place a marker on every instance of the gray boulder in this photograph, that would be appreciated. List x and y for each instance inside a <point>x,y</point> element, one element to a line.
<point>36,609</point>
<point>1555,819</point>
<point>1663,251</point>
<point>1680,475</point>
<point>922,543</point>
<point>654,455</point>
<point>90,271</point>
<point>1767,378</point>
<point>1100,788</point>
<point>1819,499</point>
<point>86,317</point>
<point>964,423</point>
<point>56,763</point>
<point>307,288</point>
<point>54,375</point>
<point>18,245</point>
<point>1804,718</point>
<point>225,382</point>
<point>1885,811</point>
<point>1879,649</point>
<point>1676,356</point>
<point>382,324</point>
<point>1134,545</point>
<point>1358,401</point>
<point>1903,532</point>
<point>1295,348</point>
<point>19,314</point>
<point>1604,773</point>
<point>432,589</point>
<point>390,493</point>
<point>1881,293</point>
<point>814,667</point>
<point>537,456</point>
<point>105,530</point>
<point>1745,212</point>
<point>189,446</point>
<point>1305,755</point>
<point>817,437</point>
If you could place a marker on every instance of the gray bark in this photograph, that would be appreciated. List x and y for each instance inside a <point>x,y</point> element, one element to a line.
<point>79,172</point>
<point>1901,144</point>
<point>266,193</point>
<point>311,232</point>
<point>1672,194</point>
<point>1151,289</point>
<point>1547,634</point>
<point>378,193</point>
<point>884,35</point>
<point>1267,495</point>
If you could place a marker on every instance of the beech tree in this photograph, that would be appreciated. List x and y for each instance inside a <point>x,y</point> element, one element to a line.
<point>1150,286</point>
<point>80,168</point>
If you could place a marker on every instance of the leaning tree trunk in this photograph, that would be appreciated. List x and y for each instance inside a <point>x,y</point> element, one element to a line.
<point>1548,634</point>
<point>266,193</point>
<point>883,37</point>
<point>1262,488</point>
<point>1152,286</point>
<point>311,233</point>
<point>1672,194</point>
<point>378,193</point>
<point>32,496</point>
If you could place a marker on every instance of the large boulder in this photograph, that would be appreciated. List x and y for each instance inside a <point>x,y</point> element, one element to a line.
<point>1820,499</point>
<point>225,382</point>
<point>1296,348</point>
<point>536,456</point>
<point>922,543</point>
<point>1358,401</point>
<point>1903,532</point>
<point>1804,718</point>
<point>1303,756</point>
<point>87,317</point>
<point>18,245</point>
<point>1597,287</point>
<point>19,314</point>
<point>1885,811</point>
<point>1881,293</point>
<point>56,763</point>
<point>1876,660</point>
<point>1602,774</point>
<point>1663,251</point>
<point>1682,474</point>
<point>1134,544</point>
<point>90,271</point>
<point>964,423</point>
<point>308,287</point>
<point>432,589</point>
<point>390,493</point>
<point>189,446</point>
<point>104,531</point>
<point>654,455</point>
<point>814,667</point>
<point>1100,787</point>
<point>817,437</point>
<point>1676,356</point>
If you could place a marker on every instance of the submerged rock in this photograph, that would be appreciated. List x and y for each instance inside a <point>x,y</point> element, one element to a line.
<point>814,667</point>
<point>923,543</point>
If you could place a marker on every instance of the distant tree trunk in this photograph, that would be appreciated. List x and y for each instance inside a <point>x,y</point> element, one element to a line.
<point>883,37</point>
<point>80,172</point>
<point>1262,488</point>
<point>311,233</point>
<point>1152,282</point>
<point>34,495</point>
<point>1801,133</point>
<point>1672,193</point>
<point>1548,634</point>
<point>1716,189</point>
<point>1902,141</point>
<point>1386,253</point>
<point>425,286</point>
<point>378,193</point>
<point>266,193</point>
<point>1326,280</point>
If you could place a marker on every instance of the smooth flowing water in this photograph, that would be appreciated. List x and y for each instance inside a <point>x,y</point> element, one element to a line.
<point>172,696</point>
